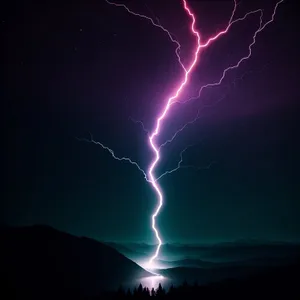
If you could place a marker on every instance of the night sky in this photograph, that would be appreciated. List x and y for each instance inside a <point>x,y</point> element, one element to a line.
<point>71,69</point>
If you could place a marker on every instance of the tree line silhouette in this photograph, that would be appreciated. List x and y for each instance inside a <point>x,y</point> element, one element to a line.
<point>184,290</point>
<point>141,292</point>
<point>257,287</point>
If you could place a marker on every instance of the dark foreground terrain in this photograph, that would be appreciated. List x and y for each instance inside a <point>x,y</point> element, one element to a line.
<point>280,283</point>
<point>40,262</point>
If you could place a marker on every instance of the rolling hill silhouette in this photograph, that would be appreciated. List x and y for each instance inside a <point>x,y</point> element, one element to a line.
<point>40,261</point>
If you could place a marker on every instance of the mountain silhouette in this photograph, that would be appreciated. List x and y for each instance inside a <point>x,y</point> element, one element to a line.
<point>42,262</point>
<point>130,253</point>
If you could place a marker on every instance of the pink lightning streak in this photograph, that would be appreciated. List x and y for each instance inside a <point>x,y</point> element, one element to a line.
<point>158,127</point>
<point>187,71</point>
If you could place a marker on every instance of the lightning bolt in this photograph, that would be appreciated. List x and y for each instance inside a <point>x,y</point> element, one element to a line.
<point>150,174</point>
<point>158,127</point>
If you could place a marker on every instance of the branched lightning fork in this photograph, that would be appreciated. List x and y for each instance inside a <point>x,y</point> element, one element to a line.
<point>156,24</point>
<point>196,118</point>
<point>180,130</point>
<point>139,122</point>
<point>246,57</point>
<point>158,127</point>
<point>112,153</point>
<point>180,166</point>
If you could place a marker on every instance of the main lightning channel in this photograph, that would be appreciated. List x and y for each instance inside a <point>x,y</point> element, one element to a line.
<point>156,131</point>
